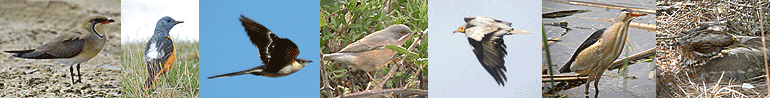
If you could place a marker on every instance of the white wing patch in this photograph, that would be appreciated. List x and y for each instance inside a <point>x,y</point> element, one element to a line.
<point>153,53</point>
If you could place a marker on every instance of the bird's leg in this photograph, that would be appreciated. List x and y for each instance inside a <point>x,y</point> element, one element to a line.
<point>588,85</point>
<point>373,80</point>
<point>79,75</point>
<point>596,84</point>
<point>72,74</point>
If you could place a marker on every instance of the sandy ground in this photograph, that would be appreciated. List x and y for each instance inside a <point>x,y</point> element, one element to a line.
<point>28,24</point>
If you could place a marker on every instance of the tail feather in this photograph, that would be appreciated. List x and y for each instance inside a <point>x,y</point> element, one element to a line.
<point>153,70</point>
<point>565,68</point>
<point>519,31</point>
<point>149,82</point>
<point>339,57</point>
<point>254,71</point>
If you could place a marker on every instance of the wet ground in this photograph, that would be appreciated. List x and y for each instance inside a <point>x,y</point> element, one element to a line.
<point>637,81</point>
<point>28,24</point>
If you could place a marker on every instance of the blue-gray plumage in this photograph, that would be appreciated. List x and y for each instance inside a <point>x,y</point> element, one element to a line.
<point>159,53</point>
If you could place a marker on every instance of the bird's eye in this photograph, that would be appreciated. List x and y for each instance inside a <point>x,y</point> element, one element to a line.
<point>168,20</point>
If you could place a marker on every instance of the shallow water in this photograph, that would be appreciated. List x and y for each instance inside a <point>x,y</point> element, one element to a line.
<point>611,84</point>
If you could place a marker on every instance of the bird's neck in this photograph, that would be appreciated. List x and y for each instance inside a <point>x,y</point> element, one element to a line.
<point>94,29</point>
<point>160,31</point>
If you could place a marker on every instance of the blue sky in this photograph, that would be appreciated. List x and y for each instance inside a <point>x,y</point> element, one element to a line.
<point>454,69</point>
<point>225,48</point>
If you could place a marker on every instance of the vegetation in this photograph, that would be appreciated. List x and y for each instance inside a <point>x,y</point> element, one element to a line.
<point>346,21</point>
<point>180,81</point>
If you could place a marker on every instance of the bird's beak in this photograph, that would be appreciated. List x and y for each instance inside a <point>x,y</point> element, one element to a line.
<point>109,20</point>
<point>637,14</point>
<point>460,30</point>
<point>177,22</point>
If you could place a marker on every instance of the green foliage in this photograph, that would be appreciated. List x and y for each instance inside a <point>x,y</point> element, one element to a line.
<point>346,21</point>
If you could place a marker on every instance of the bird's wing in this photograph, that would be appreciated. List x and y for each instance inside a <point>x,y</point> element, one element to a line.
<point>260,36</point>
<point>372,41</point>
<point>490,51</point>
<point>63,46</point>
<point>157,52</point>
<point>285,52</point>
<point>588,42</point>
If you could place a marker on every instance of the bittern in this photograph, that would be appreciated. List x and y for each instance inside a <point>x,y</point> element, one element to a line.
<point>159,54</point>
<point>486,38</point>
<point>278,54</point>
<point>597,52</point>
<point>75,46</point>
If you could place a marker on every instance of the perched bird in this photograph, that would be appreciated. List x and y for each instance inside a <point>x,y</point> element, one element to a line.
<point>75,46</point>
<point>369,53</point>
<point>279,55</point>
<point>486,38</point>
<point>159,54</point>
<point>597,52</point>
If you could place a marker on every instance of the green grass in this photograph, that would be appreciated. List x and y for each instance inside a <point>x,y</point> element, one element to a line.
<point>347,21</point>
<point>180,81</point>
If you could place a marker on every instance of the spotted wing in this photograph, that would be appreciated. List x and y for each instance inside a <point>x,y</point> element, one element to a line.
<point>284,52</point>
<point>260,36</point>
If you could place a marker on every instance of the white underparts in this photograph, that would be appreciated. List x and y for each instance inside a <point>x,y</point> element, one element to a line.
<point>153,52</point>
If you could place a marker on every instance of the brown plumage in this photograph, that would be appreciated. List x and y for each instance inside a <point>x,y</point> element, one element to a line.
<point>597,52</point>
<point>369,53</point>
<point>75,46</point>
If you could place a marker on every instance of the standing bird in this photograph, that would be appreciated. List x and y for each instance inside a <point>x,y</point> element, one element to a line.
<point>279,55</point>
<point>159,54</point>
<point>597,52</point>
<point>75,46</point>
<point>369,53</point>
<point>486,38</point>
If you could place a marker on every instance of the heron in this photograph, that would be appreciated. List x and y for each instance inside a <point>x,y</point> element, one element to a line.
<point>597,52</point>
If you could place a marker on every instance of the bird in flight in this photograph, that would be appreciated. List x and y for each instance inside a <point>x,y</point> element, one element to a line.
<point>486,38</point>
<point>279,55</point>
<point>159,54</point>
<point>597,52</point>
<point>75,46</point>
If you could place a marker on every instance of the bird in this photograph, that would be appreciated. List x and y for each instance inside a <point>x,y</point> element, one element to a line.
<point>75,46</point>
<point>597,52</point>
<point>160,53</point>
<point>369,53</point>
<point>485,36</point>
<point>279,55</point>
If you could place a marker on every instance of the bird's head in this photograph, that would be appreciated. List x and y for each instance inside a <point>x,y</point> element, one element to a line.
<point>626,15</point>
<point>461,29</point>
<point>99,20</point>
<point>167,23</point>
<point>93,23</point>
<point>303,62</point>
<point>398,31</point>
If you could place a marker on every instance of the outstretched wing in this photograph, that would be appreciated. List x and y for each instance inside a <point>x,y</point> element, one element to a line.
<point>491,53</point>
<point>285,51</point>
<point>260,36</point>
